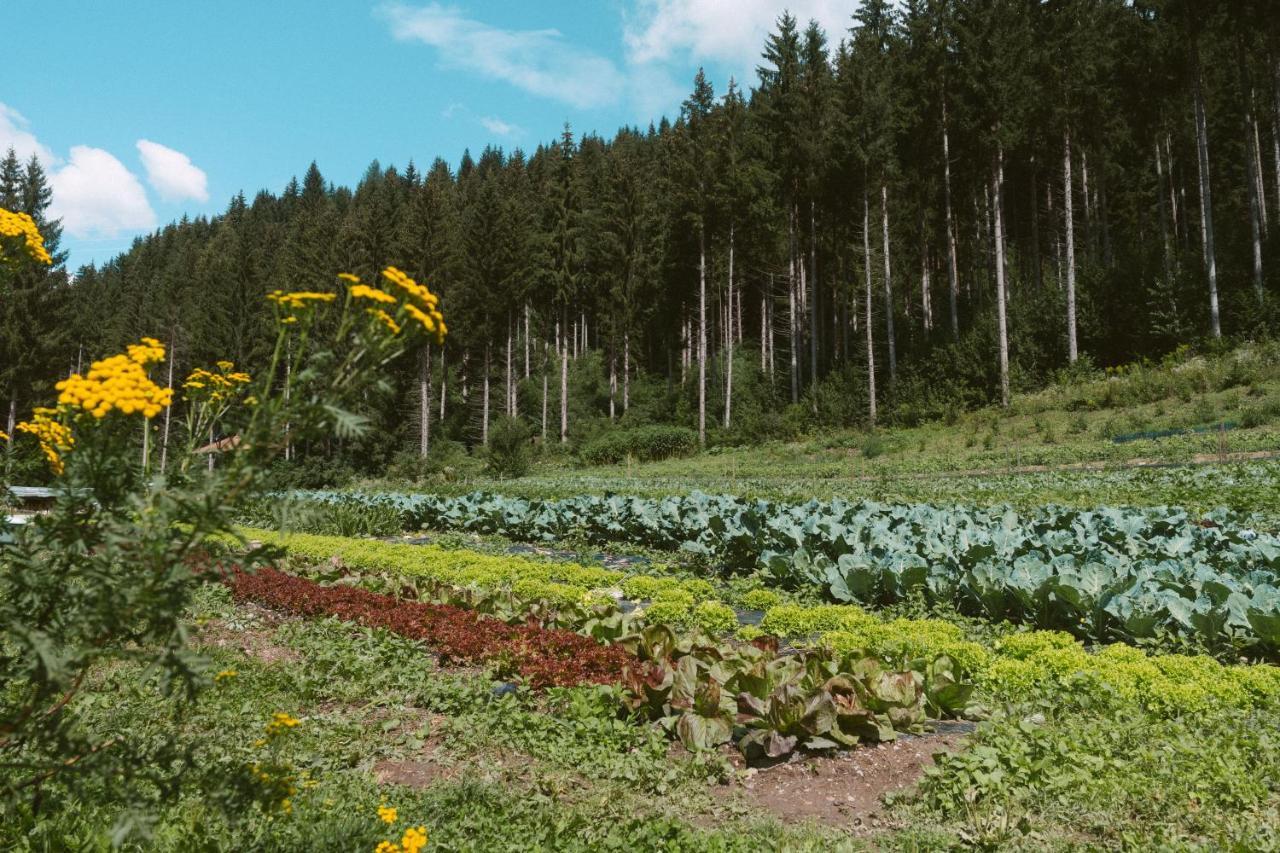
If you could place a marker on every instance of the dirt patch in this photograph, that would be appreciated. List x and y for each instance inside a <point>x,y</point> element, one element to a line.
<point>419,772</point>
<point>252,632</point>
<point>842,790</point>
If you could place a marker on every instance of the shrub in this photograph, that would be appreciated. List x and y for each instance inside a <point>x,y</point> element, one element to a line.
<point>508,453</point>
<point>760,599</point>
<point>873,446</point>
<point>644,444</point>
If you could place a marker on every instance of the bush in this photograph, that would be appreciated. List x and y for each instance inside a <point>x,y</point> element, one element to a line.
<point>508,453</point>
<point>644,444</point>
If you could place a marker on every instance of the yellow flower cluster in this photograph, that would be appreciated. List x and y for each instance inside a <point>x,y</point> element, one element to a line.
<point>280,723</point>
<point>55,437</point>
<point>387,814</point>
<point>425,311</point>
<point>413,840</point>
<point>215,386</point>
<point>385,319</point>
<point>118,383</point>
<point>4,436</point>
<point>23,226</point>
<point>299,299</point>
<point>225,674</point>
<point>364,291</point>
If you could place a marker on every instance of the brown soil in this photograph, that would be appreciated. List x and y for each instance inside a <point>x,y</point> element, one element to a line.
<point>255,639</point>
<point>843,790</point>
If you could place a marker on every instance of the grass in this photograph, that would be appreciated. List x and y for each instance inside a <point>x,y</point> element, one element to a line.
<point>381,724</point>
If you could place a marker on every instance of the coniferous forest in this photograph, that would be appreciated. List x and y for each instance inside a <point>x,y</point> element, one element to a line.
<point>947,205</point>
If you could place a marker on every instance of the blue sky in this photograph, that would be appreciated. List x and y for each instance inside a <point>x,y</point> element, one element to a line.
<point>144,110</point>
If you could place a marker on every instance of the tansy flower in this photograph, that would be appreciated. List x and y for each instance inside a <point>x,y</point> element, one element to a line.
<point>386,847</point>
<point>385,319</point>
<point>346,276</point>
<point>387,814</point>
<point>225,674</point>
<point>299,299</point>
<point>22,226</point>
<point>364,291</point>
<point>55,437</point>
<point>4,436</point>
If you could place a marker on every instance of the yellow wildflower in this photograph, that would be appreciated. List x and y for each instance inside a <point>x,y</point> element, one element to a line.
<point>280,723</point>
<point>387,814</point>
<point>364,291</point>
<point>22,226</point>
<point>299,299</point>
<point>415,838</point>
<point>4,436</point>
<point>225,674</point>
<point>386,847</point>
<point>118,383</point>
<point>216,386</point>
<point>346,276</point>
<point>55,437</point>
<point>385,319</point>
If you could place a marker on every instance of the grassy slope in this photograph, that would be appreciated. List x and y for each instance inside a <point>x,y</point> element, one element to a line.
<point>1046,447</point>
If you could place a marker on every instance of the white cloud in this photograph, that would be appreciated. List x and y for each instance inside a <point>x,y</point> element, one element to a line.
<point>172,174</point>
<point>14,134</point>
<point>729,31</point>
<point>95,196</point>
<point>497,126</point>
<point>540,62</point>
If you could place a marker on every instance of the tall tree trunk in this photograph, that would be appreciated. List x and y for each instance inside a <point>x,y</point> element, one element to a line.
<point>484,423</point>
<point>1175,210</point>
<point>890,341</point>
<point>564,395</point>
<point>728,352</point>
<point>1164,216</point>
<point>953,267</point>
<point>613,385</point>
<point>424,403</point>
<point>511,379</point>
<point>926,299</point>
<point>626,371</point>
<point>702,337</point>
<point>1090,238</point>
<point>1255,203</point>
<point>1206,197</point>
<point>871,351</point>
<point>813,302</point>
<point>793,322</point>
<point>764,334</point>
<point>444,380</point>
<point>1068,213</point>
<point>526,340</point>
<point>546,369</point>
<point>997,193</point>
<point>1258,173</point>
<point>1275,125</point>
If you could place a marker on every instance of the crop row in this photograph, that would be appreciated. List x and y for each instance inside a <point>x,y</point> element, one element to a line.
<point>542,656</point>
<point>1012,668</point>
<point>1103,574</point>
<point>706,694</point>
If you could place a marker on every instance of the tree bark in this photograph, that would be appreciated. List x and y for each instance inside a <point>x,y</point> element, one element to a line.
<point>728,353</point>
<point>484,424</point>
<point>444,381</point>
<point>871,352</point>
<point>926,299</point>
<point>793,322</point>
<point>953,271</point>
<point>702,337</point>
<point>1068,212</point>
<point>1258,172</point>
<point>1206,196</point>
<point>424,402</point>
<point>626,371</point>
<point>997,192</point>
<point>812,296</point>
<point>613,386</point>
<point>564,395</point>
<point>546,369</point>
<point>526,340</point>
<point>1164,216</point>
<point>890,340</point>
<point>1255,203</point>
<point>511,380</point>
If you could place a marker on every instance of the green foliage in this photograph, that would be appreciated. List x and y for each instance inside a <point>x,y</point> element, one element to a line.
<point>507,455</point>
<point>642,444</point>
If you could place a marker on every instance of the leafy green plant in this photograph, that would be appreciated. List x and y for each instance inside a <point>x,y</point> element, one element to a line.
<point>507,455</point>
